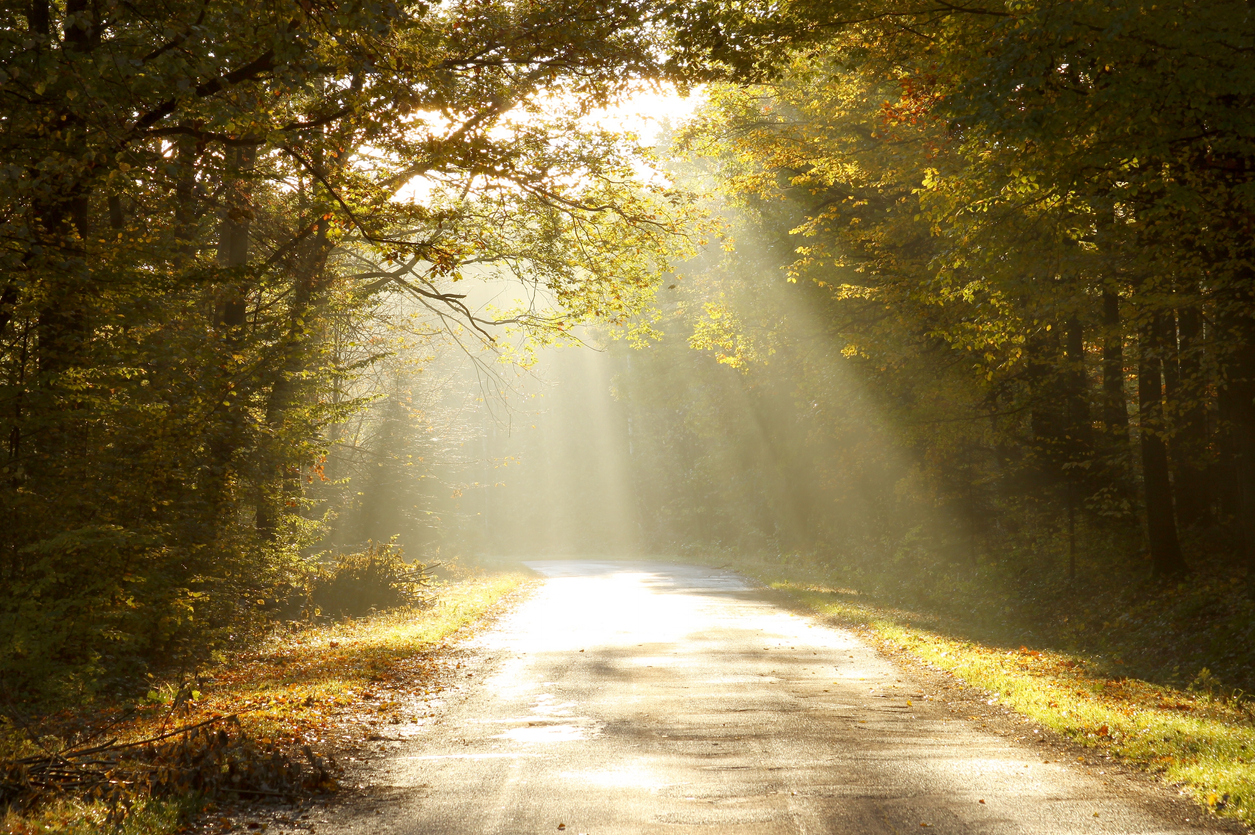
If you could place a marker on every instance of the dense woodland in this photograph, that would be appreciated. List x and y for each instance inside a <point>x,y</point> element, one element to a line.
<point>207,240</point>
<point>977,291</point>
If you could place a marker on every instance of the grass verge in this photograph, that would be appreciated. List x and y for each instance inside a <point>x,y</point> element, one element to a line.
<point>296,685</point>
<point>307,692</point>
<point>1198,739</point>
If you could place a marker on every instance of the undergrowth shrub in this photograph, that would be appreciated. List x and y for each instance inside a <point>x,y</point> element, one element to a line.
<point>188,767</point>
<point>93,612</point>
<point>376,579</point>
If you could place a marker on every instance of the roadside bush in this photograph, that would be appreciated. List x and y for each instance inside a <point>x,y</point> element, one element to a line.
<point>175,772</point>
<point>376,579</point>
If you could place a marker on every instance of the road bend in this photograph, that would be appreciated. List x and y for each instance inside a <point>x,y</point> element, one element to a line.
<point>645,698</point>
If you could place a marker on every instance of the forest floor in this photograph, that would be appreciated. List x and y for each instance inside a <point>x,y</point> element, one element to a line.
<point>1198,739</point>
<point>275,721</point>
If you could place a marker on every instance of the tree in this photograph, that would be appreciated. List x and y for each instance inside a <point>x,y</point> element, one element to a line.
<point>985,178</point>
<point>195,197</point>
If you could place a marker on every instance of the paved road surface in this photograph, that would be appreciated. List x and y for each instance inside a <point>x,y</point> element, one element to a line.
<point>644,698</point>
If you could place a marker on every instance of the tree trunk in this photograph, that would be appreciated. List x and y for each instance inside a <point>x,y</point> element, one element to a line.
<point>65,220</point>
<point>1193,493</point>
<point>1049,421</point>
<point>63,326</point>
<point>1237,395</point>
<point>1080,432</point>
<point>235,225</point>
<point>38,17</point>
<point>1161,526</point>
<point>233,245</point>
<point>1078,390</point>
<point>185,214</point>
<point>1115,406</point>
<point>1080,437</point>
<point>281,479</point>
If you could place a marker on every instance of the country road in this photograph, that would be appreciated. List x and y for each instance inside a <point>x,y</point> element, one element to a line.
<point>646,698</point>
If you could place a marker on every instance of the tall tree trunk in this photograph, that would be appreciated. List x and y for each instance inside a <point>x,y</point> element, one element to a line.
<point>235,225</point>
<point>185,214</point>
<point>1161,526</point>
<point>65,218</point>
<point>234,228</point>
<point>1193,493</point>
<point>39,18</point>
<point>63,328</point>
<point>1238,406</point>
<point>1080,431</point>
<point>81,36</point>
<point>1244,437</point>
<point>1225,468</point>
<point>1115,406</point>
<point>281,479</point>
<point>1077,382</point>
<point>1049,380</point>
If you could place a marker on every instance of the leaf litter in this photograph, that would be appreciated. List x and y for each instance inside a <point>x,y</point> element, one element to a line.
<point>272,723</point>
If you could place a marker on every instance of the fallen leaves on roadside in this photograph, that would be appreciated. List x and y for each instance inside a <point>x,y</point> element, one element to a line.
<point>278,711</point>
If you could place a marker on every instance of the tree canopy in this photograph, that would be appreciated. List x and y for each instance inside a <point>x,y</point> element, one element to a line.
<point>200,204</point>
<point>1000,201</point>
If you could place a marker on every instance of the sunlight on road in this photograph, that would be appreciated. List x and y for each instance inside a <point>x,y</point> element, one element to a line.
<point>636,697</point>
<point>546,733</point>
<point>623,610</point>
<point>631,775</point>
